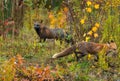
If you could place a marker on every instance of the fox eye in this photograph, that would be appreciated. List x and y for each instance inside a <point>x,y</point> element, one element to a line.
<point>113,48</point>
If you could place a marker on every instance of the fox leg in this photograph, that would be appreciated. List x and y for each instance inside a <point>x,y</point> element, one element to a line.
<point>97,57</point>
<point>44,39</point>
<point>77,55</point>
<point>80,55</point>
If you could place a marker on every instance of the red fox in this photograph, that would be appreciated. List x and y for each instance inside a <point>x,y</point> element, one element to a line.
<point>47,33</point>
<point>84,48</point>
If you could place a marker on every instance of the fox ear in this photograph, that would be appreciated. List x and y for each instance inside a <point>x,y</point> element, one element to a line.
<point>112,41</point>
<point>41,21</point>
<point>108,42</point>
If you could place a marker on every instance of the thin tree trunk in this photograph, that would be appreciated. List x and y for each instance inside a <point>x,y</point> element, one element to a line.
<point>13,29</point>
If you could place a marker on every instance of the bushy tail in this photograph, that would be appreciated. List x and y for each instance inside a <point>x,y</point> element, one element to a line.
<point>65,52</point>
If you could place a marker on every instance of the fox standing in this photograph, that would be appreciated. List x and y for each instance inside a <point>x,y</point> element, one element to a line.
<point>84,48</point>
<point>47,33</point>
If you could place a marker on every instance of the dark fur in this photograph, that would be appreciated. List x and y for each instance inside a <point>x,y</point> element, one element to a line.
<point>47,33</point>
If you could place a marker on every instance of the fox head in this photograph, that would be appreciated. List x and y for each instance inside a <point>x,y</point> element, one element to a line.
<point>38,24</point>
<point>112,47</point>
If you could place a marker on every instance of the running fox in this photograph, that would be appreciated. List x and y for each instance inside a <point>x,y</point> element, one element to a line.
<point>83,48</point>
<point>47,33</point>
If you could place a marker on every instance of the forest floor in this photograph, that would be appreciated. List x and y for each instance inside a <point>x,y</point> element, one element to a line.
<point>35,53</point>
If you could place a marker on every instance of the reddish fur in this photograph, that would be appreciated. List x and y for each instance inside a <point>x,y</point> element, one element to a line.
<point>84,48</point>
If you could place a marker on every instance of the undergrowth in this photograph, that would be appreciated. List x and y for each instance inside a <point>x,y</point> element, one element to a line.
<point>25,58</point>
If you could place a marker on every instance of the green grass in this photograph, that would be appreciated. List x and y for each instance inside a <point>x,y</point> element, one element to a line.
<point>27,45</point>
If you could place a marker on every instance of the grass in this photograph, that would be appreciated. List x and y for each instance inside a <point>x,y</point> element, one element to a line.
<point>67,69</point>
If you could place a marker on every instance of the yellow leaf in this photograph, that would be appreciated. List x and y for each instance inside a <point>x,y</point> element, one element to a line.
<point>34,43</point>
<point>60,14</point>
<point>65,9</point>
<point>94,29</point>
<point>82,21</point>
<point>90,33</point>
<point>97,25</point>
<point>89,56</point>
<point>51,26</point>
<point>89,3</point>
<point>96,6</point>
<point>53,21</point>
<point>84,34</point>
<point>87,39</point>
<point>51,16</point>
<point>95,35</point>
<point>89,10</point>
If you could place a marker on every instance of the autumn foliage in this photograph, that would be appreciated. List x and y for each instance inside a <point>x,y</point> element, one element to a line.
<point>24,58</point>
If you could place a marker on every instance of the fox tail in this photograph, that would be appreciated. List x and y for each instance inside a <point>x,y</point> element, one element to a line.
<point>65,52</point>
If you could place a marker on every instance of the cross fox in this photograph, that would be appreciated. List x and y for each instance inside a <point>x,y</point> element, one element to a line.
<point>84,48</point>
<point>56,33</point>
